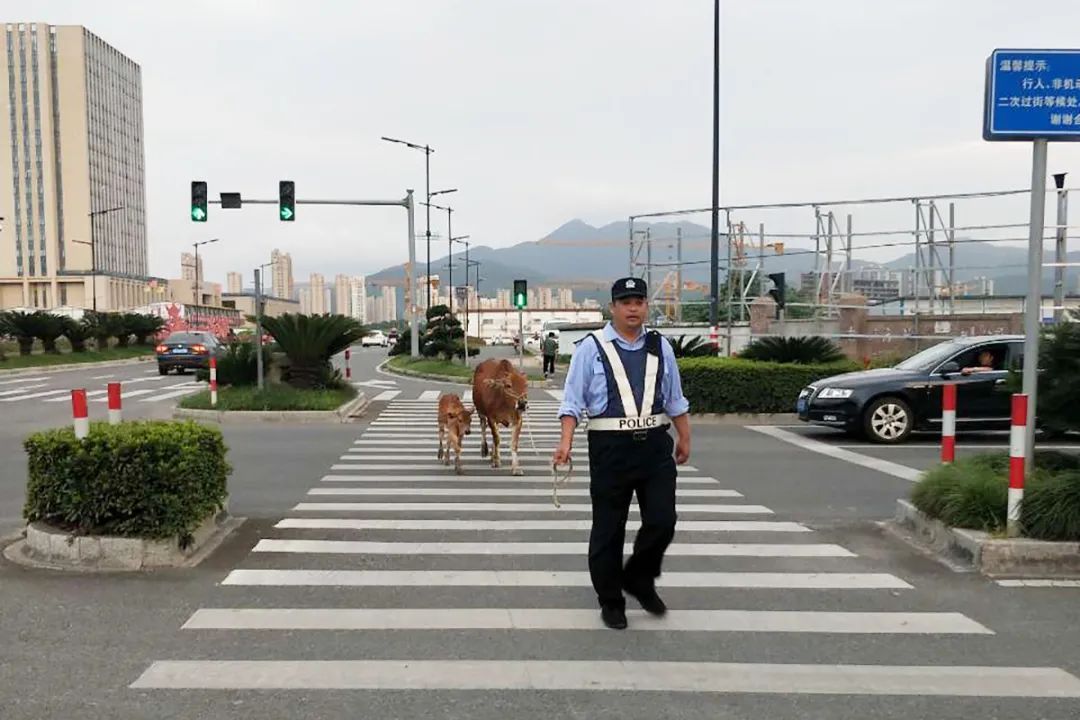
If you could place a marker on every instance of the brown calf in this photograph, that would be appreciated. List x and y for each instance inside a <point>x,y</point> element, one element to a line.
<point>454,423</point>
<point>500,394</point>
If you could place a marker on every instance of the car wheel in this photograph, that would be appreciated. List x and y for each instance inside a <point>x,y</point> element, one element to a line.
<point>888,420</point>
<point>162,370</point>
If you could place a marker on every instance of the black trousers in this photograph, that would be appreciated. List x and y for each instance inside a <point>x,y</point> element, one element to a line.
<point>621,466</point>
<point>549,364</point>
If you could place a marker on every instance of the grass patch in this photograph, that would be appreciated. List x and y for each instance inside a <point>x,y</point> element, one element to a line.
<point>433,366</point>
<point>66,358</point>
<point>973,493</point>
<point>273,397</point>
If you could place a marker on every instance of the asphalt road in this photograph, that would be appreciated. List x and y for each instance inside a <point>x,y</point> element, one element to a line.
<point>361,591</point>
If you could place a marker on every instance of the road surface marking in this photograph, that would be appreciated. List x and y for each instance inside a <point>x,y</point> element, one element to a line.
<point>362,547</point>
<point>538,507</point>
<point>90,394</point>
<point>23,389</point>
<point>430,395</point>
<point>103,377</point>
<point>471,480</point>
<point>473,525</point>
<point>883,466</point>
<point>147,391</point>
<point>543,578</point>
<point>609,675</point>
<point>387,395</point>
<point>809,621</point>
<point>31,396</point>
<point>1040,583</point>
<point>501,492</point>
<point>20,381</point>
<point>175,393</point>
<point>479,464</point>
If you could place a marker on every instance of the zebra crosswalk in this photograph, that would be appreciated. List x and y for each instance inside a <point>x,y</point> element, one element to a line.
<point>477,582</point>
<point>56,389</point>
<point>466,395</point>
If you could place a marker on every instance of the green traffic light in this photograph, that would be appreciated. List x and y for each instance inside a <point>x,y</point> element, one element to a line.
<point>286,213</point>
<point>198,214</point>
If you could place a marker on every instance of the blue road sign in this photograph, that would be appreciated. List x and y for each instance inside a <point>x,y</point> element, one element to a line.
<point>1032,94</point>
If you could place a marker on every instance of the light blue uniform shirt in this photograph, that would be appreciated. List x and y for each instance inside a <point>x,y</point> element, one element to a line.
<point>586,383</point>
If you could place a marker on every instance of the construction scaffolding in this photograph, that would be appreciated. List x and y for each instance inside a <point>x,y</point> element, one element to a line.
<point>756,239</point>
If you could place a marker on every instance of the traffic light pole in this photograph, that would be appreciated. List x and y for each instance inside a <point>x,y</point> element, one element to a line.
<point>521,336</point>
<point>407,203</point>
<point>258,327</point>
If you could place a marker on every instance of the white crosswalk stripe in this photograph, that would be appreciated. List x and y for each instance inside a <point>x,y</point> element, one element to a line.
<point>433,556</point>
<point>32,396</point>
<point>23,389</point>
<point>387,395</point>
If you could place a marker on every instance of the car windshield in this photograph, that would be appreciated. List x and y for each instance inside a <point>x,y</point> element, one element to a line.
<point>185,338</point>
<point>930,357</point>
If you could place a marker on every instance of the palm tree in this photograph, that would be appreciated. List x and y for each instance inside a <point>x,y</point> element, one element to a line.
<point>49,329</point>
<point>142,326</point>
<point>22,326</point>
<point>802,350</point>
<point>309,341</point>
<point>97,325</point>
<point>119,328</point>
<point>77,333</point>
<point>696,346</point>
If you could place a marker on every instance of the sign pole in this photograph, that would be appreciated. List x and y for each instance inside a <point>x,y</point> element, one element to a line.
<point>1033,303</point>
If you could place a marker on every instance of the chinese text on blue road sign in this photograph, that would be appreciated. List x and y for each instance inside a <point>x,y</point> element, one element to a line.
<point>1032,94</point>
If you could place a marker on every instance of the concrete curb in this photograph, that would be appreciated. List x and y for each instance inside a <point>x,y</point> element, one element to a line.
<point>743,418</point>
<point>352,409</point>
<point>48,548</point>
<point>989,555</point>
<point>448,379</point>
<point>68,367</point>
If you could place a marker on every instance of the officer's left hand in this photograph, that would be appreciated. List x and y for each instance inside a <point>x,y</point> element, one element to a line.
<point>682,450</point>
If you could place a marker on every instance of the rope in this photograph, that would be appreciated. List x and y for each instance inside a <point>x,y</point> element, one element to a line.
<point>560,479</point>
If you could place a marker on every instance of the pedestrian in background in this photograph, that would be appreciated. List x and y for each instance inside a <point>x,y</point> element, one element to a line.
<point>550,349</point>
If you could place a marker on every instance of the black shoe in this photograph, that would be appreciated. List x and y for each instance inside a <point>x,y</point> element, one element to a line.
<point>614,617</point>
<point>648,598</point>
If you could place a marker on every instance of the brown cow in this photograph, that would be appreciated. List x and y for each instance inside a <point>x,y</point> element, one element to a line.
<point>500,394</point>
<point>454,423</point>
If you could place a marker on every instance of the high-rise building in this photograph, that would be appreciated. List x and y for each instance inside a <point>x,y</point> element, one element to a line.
<point>388,300</point>
<point>342,295</point>
<point>502,298</point>
<point>234,281</point>
<point>281,274</point>
<point>371,308</point>
<point>566,298</point>
<point>358,298</point>
<point>546,299</point>
<point>305,301</point>
<point>188,266</point>
<point>317,287</point>
<point>72,185</point>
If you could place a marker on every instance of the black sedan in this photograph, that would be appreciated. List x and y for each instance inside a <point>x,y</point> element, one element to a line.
<point>886,405</point>
<point>187,350</point>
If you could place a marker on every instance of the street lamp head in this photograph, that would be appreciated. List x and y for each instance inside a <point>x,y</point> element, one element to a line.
<point>443,192</point>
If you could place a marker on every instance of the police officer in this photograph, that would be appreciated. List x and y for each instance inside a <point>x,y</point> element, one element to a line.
<point>626,379</point>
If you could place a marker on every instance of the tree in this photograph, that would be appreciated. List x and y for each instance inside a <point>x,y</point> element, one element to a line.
<point>1059,377</point>
<point>811,350</point>
<point>77,333</point>
<point>143,326</point>
<point>22,326</point>
<point>443,334</point>
<point>309,342</point>
<point>695,346</point>
<point>97,325</point>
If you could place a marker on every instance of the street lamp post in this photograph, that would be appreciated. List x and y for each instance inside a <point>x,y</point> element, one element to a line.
<point>197,293</point>
<point>93,247</point>
<point>258,324</point>
<point>427,150</point>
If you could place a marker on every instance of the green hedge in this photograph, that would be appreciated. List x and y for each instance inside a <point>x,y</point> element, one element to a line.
<point>155,479</point>
<point>973,493</point>
<point>731,385</point>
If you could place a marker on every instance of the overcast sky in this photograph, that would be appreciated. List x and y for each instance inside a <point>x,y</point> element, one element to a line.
<point>543,111</point>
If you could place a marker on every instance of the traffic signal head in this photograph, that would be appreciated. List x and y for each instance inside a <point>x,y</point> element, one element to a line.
<point>777,293</point>
<point>198,201</point>
<point>521,294</point>
<point>287,200</point>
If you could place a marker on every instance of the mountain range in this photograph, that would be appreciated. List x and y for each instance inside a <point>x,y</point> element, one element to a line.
<point>588,258</point>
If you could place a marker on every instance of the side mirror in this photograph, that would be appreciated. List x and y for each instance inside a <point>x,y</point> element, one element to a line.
<point>949,368</point>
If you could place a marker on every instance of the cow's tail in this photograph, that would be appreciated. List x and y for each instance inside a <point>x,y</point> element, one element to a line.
<point>483,437</point>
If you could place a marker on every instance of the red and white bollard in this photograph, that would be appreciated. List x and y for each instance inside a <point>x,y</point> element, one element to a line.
<point>348,363</point>
<point>1017,442</point>
<point>213,382</point>
<point>81,413</point>
<point>948,423</point>
<point>114,403</point>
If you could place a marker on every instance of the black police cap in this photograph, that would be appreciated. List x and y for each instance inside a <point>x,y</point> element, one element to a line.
<point>629,287</point>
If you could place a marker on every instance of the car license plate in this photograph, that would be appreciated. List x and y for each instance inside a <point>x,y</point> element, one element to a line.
<point>800,406</point>
<point>179,351</point>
